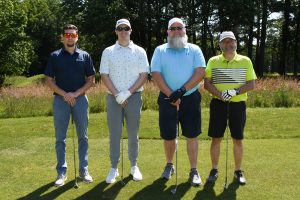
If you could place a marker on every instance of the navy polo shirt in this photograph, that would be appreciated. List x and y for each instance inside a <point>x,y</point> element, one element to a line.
<point>69,70</point>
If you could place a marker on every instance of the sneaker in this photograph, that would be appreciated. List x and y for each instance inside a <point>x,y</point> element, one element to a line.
<point>60,180</point>
<point>194,178</point>
<point>112,175</point>
<point>239,176</point>
<point>136,174</point>
<point>168,171</point>
<point>86,177</point>
<point>213,175</point>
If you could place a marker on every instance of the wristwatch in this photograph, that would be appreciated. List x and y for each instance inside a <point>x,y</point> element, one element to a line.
<point>237,90</point>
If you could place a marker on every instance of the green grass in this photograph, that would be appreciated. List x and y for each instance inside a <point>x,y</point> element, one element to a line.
<point>27,97</point>
<point>271,161</point>
<point>22,81</point>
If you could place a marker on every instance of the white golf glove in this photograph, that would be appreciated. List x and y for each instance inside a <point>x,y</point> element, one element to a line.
<point>228,94</point>
<point>123,96</point>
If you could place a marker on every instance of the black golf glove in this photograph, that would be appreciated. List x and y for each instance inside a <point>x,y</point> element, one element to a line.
<point>177,94</point>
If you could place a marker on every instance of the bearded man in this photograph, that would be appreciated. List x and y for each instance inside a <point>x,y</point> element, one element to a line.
<point>177,68</point>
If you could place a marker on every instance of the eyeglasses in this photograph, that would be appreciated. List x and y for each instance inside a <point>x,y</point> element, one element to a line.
<point>70,35</point>
<point>126,28</point>
<point>179,28</point>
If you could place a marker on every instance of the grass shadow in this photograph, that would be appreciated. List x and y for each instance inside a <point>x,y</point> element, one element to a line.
<point>158,190</point>
<point>100,191</point>
<point>208,192</point>
<point>230,192</point>
<point>38,193</point>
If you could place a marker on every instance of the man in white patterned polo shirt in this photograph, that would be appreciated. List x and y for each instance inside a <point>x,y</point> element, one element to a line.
<point>124,69</point>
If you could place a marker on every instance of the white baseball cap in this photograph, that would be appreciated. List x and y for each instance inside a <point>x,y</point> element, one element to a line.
<point>123,21</point>
<point>175,20</point>
<point>226,34</point>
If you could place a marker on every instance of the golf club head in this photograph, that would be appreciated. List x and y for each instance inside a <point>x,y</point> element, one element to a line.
<point>76,186</point>
<point>173,191</point>
<point>225,186</point>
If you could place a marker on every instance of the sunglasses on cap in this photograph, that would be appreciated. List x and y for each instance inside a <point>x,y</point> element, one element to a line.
<point>179,28</point>
<point>126,28</point>
<point>70,35</point>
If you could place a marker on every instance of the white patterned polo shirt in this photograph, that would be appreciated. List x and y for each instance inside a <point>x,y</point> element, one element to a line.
<point>124,65</point>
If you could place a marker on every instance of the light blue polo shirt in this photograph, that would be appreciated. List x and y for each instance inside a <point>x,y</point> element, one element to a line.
<point>177,65</point>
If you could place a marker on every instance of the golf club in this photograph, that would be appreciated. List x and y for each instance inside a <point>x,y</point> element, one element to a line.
<point>122,144</point>
<point>173,191</point>
<point>227,127</point>
<point>74,156</point>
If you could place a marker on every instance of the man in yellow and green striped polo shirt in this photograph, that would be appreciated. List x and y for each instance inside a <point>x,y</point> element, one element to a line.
<point>228,78</point>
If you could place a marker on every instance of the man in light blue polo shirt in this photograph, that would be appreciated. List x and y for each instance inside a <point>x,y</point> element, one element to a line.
<point>177,68</point>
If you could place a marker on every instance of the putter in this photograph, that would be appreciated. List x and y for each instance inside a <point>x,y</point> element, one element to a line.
<point>74,156</point>
<point>226,166</point>
<point>122,151</point>
<point>173,191</point>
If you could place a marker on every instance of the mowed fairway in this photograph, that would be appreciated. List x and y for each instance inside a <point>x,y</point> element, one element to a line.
<point>271,161</point>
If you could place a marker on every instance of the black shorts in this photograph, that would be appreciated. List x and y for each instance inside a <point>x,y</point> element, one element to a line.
<point>218,118</point>
<point>189,116</point>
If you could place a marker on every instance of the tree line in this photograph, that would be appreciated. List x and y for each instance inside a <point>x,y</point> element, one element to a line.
<point>267,31</point>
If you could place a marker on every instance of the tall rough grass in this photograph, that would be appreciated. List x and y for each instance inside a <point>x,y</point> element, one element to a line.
<point>36,100</point>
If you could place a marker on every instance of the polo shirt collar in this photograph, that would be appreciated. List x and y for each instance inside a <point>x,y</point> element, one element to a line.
<point>131,45</point>
<point>225,60</point>
<point>185,47</point>
<point>65,51</point>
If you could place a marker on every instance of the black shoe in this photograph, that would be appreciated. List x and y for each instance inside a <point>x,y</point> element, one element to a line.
<point>168,171</point>
<point>239,176</point>
<point>213,175</point>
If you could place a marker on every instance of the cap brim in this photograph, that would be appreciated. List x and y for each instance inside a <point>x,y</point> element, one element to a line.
<point>226,38</point>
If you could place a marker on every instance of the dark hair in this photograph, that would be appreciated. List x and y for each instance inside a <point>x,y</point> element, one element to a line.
<point>70,26</point>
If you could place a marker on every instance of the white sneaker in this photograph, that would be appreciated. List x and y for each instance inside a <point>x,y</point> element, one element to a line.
<point>195,178</point>
<point>86,177</point>
<point>112,175</point>
<point>135,172</point>
<point>60,180</point>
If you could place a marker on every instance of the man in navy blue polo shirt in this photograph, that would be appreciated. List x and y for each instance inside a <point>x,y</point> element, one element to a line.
<point>70,73</point>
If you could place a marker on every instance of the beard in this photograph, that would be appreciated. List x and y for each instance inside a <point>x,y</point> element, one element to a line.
<point>177,42</point>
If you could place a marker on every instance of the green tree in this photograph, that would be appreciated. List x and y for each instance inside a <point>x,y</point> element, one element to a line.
<point>16,52</point>
<point>43,27</point>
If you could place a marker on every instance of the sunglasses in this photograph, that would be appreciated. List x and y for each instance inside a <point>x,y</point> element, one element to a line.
<point>70,35</point>
<point>126,28</point>
<point>179,28</point>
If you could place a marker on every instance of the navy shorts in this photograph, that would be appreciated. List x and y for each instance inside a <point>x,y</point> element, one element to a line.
<point>189,116</point>
<point>218,118</point>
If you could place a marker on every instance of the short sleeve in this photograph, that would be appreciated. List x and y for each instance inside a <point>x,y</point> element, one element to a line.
<point>89,69</point>
<point>155,61</point>
<point>199,60</point>
<point>49,71</point>
<point>208,69</point>
<point>250,71</point>
<point>143,62</point>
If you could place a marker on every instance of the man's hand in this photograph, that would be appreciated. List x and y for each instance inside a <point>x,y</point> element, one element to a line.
<point>177,94</point>
<point>70,98</point>
<point>228,94</point>
<point>123,96</point>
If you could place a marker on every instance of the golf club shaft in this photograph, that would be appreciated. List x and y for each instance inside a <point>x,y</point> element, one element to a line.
<point>122,144</point>
<point>177,134</point>
<point>227,127</point>
<point>74,151</point>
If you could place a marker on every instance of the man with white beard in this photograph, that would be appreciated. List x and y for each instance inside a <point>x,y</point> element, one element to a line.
<point>177,68</point>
